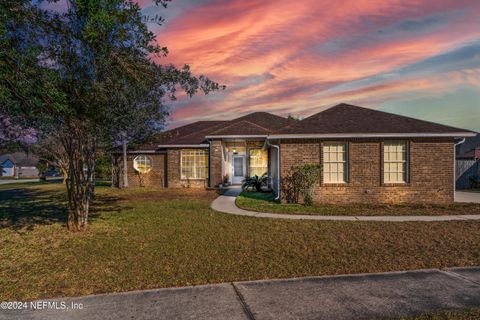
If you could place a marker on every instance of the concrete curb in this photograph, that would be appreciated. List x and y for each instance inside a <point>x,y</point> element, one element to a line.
<point>347,296</point>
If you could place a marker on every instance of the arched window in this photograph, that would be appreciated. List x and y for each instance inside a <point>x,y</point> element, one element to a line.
<point>142,164</point>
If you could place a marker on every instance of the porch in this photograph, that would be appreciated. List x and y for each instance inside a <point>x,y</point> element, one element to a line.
<point>243,158</point>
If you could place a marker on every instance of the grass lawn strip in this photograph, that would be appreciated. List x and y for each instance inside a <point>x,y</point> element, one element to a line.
<point>450,315</point>
<point>264,202</point>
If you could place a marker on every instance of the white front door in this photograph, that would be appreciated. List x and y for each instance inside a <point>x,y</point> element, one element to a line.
<point>238,169</point>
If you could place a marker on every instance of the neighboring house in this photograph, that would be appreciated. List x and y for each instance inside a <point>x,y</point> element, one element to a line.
<point>467,162</point>
<point>18,165</point>
<point>367,156</point>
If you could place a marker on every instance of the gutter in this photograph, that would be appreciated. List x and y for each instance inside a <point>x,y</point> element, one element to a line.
<point>278,166</point>
<point>237,136</point>
<point>183,145</point>
<point>370,135</point>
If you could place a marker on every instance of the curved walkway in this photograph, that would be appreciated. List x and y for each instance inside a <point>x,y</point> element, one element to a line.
<point>226,204</point>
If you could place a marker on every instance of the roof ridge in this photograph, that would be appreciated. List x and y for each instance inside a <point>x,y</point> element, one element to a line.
<point>237,122</point>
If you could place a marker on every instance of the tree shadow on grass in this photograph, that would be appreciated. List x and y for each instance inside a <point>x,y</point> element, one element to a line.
<point>24,208</point>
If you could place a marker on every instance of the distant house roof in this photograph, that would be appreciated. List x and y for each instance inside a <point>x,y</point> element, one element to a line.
<point>350,119</point>
<point>340,120</point>
<point>20,159</point>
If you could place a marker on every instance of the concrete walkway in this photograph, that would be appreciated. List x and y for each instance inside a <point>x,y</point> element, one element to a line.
<point>226,204</point>
<point>466,196</point>
<point>362,296</point>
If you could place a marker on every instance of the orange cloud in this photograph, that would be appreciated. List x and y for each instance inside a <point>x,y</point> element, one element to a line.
<point>288,56</point>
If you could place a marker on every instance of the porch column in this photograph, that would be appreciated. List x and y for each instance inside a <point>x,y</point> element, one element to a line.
<point>215,163</point>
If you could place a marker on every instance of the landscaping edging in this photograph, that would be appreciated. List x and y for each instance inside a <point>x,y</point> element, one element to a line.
<point>226,204</point>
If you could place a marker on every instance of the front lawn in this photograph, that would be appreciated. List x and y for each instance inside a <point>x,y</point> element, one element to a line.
<point>150,238</point>
<point>264,202</point>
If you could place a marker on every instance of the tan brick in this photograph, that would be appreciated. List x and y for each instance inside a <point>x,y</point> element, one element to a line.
<point>430,171</point>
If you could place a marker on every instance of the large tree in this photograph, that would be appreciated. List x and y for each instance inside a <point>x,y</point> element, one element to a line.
<point>100,82</point>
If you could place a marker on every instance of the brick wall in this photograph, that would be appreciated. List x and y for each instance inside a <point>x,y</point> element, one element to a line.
<point>216,177</point>
<point>430,172</point>
<point>156,177</point>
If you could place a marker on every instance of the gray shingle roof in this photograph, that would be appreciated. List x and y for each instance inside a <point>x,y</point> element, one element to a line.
<point>349,119</point>
<point>340,119</point>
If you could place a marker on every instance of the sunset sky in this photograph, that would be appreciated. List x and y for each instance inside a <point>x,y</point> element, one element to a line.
<point>412,57</point>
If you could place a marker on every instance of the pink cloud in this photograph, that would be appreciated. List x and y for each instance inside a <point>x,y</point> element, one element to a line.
<point>308,47</point>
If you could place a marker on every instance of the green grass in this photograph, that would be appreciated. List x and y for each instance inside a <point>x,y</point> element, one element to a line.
<point>150,238</point>
<point>264,202</point>
<point>449,315</point>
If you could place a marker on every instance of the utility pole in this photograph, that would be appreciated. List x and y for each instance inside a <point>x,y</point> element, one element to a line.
<point>125,165</point>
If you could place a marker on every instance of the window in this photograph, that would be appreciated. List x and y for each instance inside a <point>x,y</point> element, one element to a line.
<point>258,162</point>
<point>395,162</point>
<point>142,164</point>
<point>194,164</point>
<point>334,162</point>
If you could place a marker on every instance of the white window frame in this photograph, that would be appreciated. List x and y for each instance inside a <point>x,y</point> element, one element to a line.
<point>142,159</point>
<point>325,162</point>
<point>255,160</point>
<point>405,162</point>
<point>199,172</point>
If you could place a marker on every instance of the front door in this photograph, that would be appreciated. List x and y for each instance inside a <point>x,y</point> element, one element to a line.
<point>238,169</point>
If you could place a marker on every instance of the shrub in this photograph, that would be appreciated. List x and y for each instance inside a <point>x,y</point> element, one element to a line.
<point>255,182</point>
<point>300,182</point>
<point>474,181</point>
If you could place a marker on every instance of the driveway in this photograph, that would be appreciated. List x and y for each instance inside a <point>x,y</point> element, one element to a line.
<point>465,196</point>
<point>9,181</point>
<point>365,296</point>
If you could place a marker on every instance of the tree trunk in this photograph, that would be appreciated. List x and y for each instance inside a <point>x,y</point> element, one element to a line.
<point>81,150</point>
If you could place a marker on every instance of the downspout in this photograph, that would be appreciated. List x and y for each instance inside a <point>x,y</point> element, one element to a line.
<point>278,166</point>
<point>455,165</point>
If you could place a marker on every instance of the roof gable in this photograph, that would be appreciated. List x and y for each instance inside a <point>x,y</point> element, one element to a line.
<point>7,164</point>
<point>242,127</point>
<point>350,119</point>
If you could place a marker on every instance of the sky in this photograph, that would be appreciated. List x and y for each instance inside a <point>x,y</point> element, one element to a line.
<point>419,58</point>
<point>411,57</point>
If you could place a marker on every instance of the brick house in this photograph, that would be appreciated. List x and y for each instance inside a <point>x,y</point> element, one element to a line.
<point>366,155</point>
